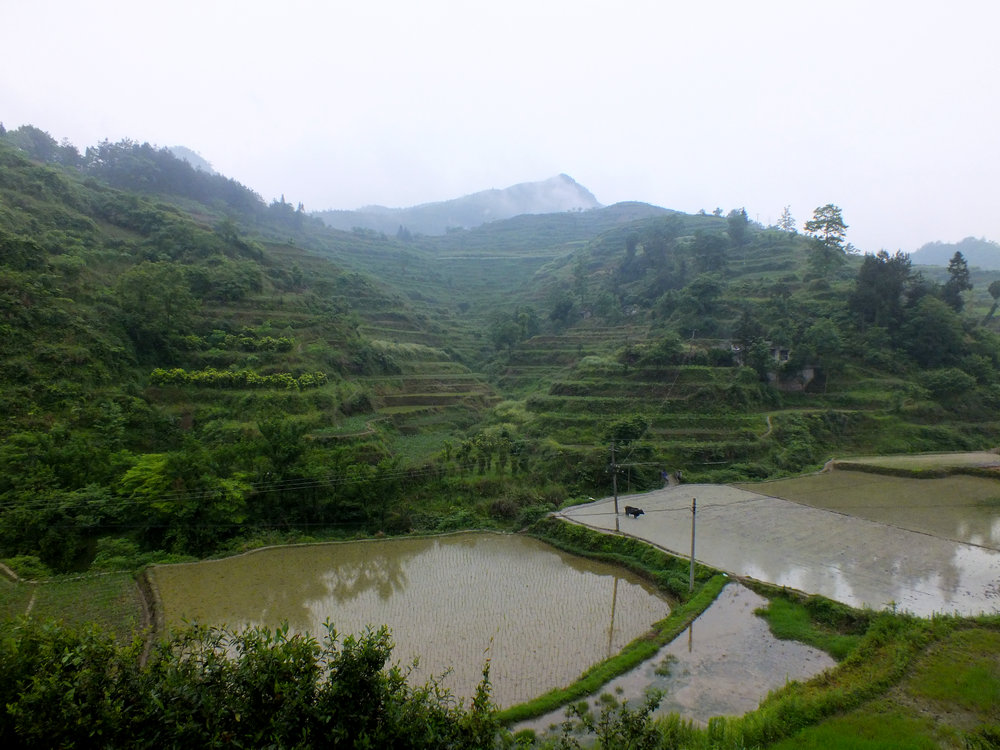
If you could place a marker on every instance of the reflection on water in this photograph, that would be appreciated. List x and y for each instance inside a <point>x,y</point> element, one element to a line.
<point>853,560</point>
<point>723,665</point>
<point>961,508</point>
<point>541,616</point>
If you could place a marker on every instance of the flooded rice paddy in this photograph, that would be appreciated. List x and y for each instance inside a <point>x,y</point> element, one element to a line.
<point>962,508</point>
<point>725,664</point>
<point>541,616</point>
<point>853,560</point>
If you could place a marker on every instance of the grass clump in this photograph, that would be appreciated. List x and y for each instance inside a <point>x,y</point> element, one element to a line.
<point>956,675</point>
<point>817,621</point>
<point>882,731</point>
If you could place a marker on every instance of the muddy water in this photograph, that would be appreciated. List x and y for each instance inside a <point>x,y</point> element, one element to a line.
<point>723,665</point>
<point>961,508</point>
<point>853,560</point>
<point>541,616</point>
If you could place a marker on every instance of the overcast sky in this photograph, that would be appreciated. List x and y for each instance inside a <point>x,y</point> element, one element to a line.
<point>890,110</point>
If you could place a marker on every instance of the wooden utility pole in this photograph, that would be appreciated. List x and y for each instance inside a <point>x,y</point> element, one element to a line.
<point>694,506</point>
<point>614,476</point>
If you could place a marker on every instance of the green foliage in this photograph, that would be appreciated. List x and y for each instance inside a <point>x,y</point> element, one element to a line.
<point>212,687</point>
<point>508,328</point>
<point>958,282</point>
<point>881,731</point>
<point>949,381</point>
<point>879,287</point>
<point>809,623</point>
<point>933,333</point>
<point>28,567</point>
<point>827,226</point>
<point>212,378</point>
<point>156,302</point>
<point>956,675</point>
<point>182,502</point>
<point>627,430</point>
<point>618,726</point>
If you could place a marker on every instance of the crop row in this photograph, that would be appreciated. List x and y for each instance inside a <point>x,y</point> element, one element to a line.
<point>212,378</point>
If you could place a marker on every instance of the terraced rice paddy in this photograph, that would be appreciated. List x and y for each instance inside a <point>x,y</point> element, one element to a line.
<point>962,508</point>
<point>540,616</point>
<point>849,559</point>
<point>724,664</point>
<point>112,600</point>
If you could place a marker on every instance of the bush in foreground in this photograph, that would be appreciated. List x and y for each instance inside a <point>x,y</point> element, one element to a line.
<point>211,687</point>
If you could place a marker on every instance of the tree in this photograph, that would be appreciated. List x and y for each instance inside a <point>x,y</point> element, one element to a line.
<point>562,308</point>
<point>994,290</point>
<point>709,250</point>
<point>627,430</point>
<point>827,229</point>
<point>786,223</point>
<point>156,302</point>
<point>933,333</point>
<point>180,501</point>
<point>823,346</point>
<point>631,243</point>
<point>504,332</point>
<point>736,223</point>
<point>527,321</point>
<point>879,288</point>
<point>958,282</point>
<point>36,143</point>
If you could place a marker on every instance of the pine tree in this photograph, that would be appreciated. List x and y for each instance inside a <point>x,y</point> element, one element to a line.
<point>958,282</point>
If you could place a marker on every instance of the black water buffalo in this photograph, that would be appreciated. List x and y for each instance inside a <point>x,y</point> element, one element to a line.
<point>634,512</point>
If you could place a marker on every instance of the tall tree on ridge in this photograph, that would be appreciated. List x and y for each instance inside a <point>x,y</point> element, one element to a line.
<point>958,282</point>
<point>827,228</point>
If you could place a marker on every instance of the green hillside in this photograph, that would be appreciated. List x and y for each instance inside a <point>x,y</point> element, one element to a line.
<point>186,368</point>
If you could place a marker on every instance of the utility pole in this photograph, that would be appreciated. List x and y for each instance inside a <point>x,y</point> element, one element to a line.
<point>694,505</point>
<point>614,476</point>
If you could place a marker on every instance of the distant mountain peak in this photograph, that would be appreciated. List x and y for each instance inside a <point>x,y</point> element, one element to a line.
<point>554,195</point>
<point>979,252</point>
<point>193,158</point>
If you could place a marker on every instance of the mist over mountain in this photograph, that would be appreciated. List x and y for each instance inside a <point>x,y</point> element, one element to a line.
<point>554,195</point>
<point>980,252</point>
<point>193,158</point>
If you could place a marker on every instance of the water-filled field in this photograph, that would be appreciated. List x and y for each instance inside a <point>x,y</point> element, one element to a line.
<point>962,508</point>
<point>541,616</point>
<point>724,664</point>
<point>843,557</point>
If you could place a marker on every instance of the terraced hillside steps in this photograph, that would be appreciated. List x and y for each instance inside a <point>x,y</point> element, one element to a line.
<point>432,390</point>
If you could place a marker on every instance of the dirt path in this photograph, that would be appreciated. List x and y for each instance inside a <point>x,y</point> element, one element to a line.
<point>858,562</point>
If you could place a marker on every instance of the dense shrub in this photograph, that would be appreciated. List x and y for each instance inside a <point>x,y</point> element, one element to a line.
<point>212,378</point>
<point>212,687</point>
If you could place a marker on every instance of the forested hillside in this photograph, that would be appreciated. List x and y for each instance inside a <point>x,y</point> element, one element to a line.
<point>186,368</point>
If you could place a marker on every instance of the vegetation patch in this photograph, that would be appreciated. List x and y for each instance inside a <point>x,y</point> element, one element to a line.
<point>212,378</point>
<point>111,600</point>
<point>816,621</point>
<point>66,687</point>
<point>959,673</point>
<point>881,729</point>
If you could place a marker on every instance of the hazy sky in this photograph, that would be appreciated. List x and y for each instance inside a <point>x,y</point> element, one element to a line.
<point>889,109</point>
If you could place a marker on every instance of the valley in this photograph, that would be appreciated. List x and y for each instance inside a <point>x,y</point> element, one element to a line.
<point>189,373</point>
